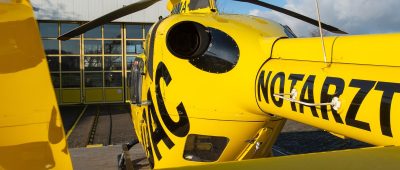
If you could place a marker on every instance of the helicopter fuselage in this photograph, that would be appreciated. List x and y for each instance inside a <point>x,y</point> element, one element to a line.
<point>210,98</point>
<point>226,99</point>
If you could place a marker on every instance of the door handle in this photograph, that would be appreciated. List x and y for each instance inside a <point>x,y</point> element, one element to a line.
<point>143,103</point>
<point>335,103</point>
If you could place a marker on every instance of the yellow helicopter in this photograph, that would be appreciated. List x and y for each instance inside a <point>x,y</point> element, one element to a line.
<point>213,87</point>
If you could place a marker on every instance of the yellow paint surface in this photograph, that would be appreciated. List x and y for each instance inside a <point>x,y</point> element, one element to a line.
<point>31,130</point>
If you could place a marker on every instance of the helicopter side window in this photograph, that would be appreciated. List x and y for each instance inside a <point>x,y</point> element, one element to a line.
<point>198,4</point>
<point>136,79</point>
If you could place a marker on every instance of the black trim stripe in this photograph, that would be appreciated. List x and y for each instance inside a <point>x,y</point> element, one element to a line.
<point>151,49</point>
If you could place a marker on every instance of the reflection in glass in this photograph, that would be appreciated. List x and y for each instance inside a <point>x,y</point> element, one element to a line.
<point>112,47</point>
<point>48,30</point>
<point>71,80</point>
<point>147,29</point>
<point>201,148</point>
<point>113,79</point>
<point>93,79</point>
<point>134,47</point>
<point>112,31</point>
<point>93,47</point>
<point>128,77</point>
<point>66,27</point>
<point>53,63</point>
<point>50,46</point>
<point>55,78</point>
<point>70,63</point>
<point>134,31</point>
<point>70,47</point>
<point>193,5</point>
<point>112,63</point>
<point>93,63</point>
<point>93,33</point>
<point>129,61</point>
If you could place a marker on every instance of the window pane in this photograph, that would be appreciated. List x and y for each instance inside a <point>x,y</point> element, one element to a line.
<point>201,148</point>
<point>93,33</point>
<point>55,78</point>
<point>134,47</point>
<point>112,31</point>
<point>70,63</point>
<point>66,27</point>
<point>93,79</point>
<point>71,80</point>
<point>113,79</point>
<point>198,4</point>
<point>112,47</point>
<point>53,63</point>
<point>134,31</point>
<point>49,30</point>
<point>70,47</point>
<point>112,63</point>
<point>147,29</point>
<point>93,64</point>
<point>93,47</point>
<point>129,61</point>
<point>50,46</point>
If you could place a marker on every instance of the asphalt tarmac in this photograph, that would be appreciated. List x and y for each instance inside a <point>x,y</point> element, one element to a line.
<point>298,138</point>
<point>97,124</point>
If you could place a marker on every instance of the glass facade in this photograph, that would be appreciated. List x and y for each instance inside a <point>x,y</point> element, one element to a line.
<point>93,67</point>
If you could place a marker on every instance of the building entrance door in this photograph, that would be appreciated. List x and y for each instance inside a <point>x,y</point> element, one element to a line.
<point>103,79</point>
<point>102,72</point>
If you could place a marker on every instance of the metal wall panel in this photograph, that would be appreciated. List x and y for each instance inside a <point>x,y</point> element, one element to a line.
<point>86,10</point>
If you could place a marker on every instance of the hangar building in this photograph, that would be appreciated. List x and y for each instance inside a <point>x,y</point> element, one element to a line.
<point>93,67</point>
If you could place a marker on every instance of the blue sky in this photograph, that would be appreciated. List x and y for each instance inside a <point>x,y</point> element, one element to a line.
<point>350,16</point>
<point>231,6</point>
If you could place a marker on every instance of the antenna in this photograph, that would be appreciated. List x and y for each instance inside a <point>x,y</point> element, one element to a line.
<point>320,30</point>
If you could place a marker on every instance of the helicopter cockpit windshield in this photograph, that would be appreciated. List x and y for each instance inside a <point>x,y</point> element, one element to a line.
<point>198,4</point>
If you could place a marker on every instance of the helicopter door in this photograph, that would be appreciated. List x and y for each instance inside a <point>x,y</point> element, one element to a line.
<point>136,80</point>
